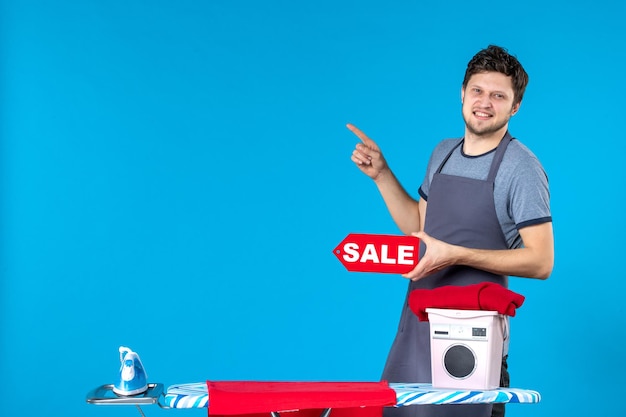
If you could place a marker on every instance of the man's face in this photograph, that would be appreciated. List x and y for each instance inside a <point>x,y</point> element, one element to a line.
<point>487,103</point>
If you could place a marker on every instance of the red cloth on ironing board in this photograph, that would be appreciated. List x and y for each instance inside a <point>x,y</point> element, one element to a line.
<point>486,296</point>
<point>300,399</point>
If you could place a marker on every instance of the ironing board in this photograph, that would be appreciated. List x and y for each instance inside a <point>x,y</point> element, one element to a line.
<point>195,395</point>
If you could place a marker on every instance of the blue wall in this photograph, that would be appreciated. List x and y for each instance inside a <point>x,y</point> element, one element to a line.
<point>175,175</point>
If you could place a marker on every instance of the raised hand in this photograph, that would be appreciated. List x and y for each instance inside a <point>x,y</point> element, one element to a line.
<point>367,155</point>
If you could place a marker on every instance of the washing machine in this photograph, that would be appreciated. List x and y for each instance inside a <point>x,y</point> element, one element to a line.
<point>466,348</point>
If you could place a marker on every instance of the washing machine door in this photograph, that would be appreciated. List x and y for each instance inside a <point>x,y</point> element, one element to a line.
<point>459,361</point>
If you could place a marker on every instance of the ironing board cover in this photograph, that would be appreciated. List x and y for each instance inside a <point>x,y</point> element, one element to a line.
<point>195,395</point>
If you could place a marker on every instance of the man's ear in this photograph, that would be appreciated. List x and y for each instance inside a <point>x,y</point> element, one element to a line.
<point>462,94</point>
<point>515,108</point>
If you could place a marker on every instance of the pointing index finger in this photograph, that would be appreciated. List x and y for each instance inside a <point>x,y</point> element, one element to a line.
<point>366,140</point>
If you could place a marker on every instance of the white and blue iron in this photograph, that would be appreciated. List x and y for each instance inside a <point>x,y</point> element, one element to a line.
<point>132,375</point>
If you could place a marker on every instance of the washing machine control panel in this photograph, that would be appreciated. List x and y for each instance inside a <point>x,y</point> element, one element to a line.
<point>458,332</point>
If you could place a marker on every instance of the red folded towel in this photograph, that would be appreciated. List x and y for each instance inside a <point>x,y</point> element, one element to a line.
<point>247,397</point>
<point>484,296</point>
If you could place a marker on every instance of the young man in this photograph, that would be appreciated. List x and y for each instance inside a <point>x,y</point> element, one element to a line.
<point>484,213</point>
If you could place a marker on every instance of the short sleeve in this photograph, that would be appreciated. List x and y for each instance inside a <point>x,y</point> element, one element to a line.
<point>530,194</point>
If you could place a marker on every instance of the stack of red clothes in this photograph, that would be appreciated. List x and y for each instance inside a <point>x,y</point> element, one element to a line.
<point>486,296</point>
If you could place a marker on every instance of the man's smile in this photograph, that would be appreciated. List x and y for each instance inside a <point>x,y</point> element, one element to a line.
<point>482,115</point>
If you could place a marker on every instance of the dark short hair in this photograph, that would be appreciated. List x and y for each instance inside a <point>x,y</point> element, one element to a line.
<point>496,58</point>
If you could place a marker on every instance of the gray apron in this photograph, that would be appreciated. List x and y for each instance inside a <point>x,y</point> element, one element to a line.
<point>461,211</point>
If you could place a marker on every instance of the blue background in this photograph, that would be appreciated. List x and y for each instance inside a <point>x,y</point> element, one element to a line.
<point>175,175</point>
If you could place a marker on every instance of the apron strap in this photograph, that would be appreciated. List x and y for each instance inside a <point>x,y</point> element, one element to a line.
<point>448,156</point>
<point>497,158</point>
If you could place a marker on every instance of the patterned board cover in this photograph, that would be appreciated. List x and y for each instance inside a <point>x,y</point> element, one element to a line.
<point>195,395</point>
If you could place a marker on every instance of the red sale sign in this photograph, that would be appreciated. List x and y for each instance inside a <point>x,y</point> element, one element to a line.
<point>390,254</point>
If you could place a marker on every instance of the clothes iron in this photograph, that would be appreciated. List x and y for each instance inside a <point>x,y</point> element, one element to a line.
<point>132,375</point>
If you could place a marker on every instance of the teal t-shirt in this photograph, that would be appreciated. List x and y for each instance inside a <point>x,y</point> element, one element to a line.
<point>521,192</point>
